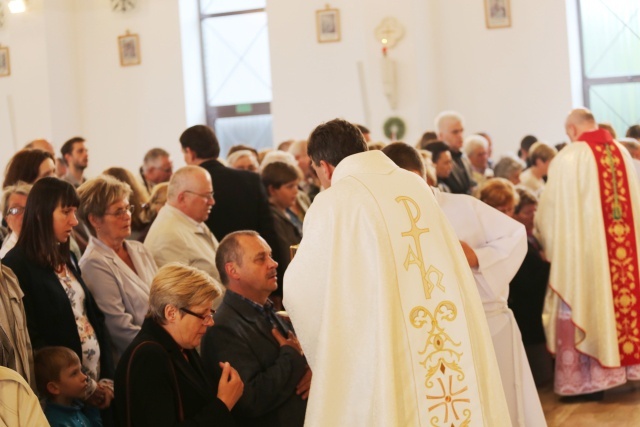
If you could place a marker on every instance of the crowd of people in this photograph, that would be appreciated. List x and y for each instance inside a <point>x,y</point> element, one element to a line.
<point>157,298</point>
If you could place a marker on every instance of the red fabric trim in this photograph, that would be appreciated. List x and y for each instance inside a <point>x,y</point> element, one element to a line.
<point>621,242</point>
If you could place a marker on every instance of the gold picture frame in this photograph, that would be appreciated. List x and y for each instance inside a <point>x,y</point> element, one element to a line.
<point>129,48</point>
<point>497,13</point>
<point>328,25</point>
<point>5,62</point>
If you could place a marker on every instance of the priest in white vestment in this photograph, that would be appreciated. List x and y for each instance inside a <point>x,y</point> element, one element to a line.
<point>384,302</point>
<point>589,224</point>
<point>499,245</point>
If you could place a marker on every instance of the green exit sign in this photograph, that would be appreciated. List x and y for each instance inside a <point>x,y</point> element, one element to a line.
<point>244,108</point>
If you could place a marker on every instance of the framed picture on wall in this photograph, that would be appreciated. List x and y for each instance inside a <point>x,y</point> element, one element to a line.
<point>5,63</point>
<point>328,25</point>
<point>497,13</point>
<point>129,46</point>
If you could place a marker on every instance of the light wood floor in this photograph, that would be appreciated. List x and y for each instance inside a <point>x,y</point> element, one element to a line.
<point>620,408</point>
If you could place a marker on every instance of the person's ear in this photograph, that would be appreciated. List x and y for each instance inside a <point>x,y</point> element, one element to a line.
<point>53,388</point>
<point>231,269</point>
<point>327,169</point>
<point>95,222</point>
<point>170,312</point>
<point>270,190</point>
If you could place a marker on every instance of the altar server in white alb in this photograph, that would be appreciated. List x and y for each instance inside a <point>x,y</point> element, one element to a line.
<point>495,246</point>
<point>384,302</point>
<point>589,224</point>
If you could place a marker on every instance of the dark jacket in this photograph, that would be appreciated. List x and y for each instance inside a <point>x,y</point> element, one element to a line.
<point>50,318</point>
<point>155,381</point>
<point>527,291</point>
<point>288,234</point>
<point>241,204</point>
<point>242,336</point>
<point>459,182</point>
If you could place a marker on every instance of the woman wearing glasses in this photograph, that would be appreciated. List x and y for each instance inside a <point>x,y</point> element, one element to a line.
<point>160,380</point>
<point>60,309</point>
<point>117,271</point>
<point>14,200</point>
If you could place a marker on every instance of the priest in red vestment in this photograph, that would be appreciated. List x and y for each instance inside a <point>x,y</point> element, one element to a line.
<point>589,222</point>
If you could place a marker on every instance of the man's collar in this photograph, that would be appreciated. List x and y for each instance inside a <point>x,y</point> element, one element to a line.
<point>186,217</point>
<point>366,162</point>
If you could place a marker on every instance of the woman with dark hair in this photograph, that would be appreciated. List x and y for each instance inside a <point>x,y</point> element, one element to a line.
<point>60,309</point>
<point>29,166</point>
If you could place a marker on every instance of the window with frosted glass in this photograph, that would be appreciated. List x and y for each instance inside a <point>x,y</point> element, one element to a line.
<point>237,70</point>
<point>610,36</point>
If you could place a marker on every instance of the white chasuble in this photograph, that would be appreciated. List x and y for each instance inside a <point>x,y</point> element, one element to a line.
<point>573,232</point>
<point>386,308</point>
<point>500,243</point>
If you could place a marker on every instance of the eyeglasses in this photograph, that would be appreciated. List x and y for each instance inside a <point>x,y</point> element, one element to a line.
<point>15,211</point>
<point>204,317</point>
<point>120,213</point>
<point>206,196</point>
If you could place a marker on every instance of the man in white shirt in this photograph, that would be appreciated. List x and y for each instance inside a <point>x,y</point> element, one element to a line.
<point>179,232</point>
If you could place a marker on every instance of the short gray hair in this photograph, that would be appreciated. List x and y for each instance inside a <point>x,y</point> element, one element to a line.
<point>181,286</point>
<point>19,187</point>
<point>447,116</point>
<point>471,143</point>
<point>182,178</point>
<point>507,166</point>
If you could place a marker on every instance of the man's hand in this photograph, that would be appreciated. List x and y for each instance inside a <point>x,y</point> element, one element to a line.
<point>230,386</point>
<point>302,389</point>
<point>472,258</point>
<point>291,341</point>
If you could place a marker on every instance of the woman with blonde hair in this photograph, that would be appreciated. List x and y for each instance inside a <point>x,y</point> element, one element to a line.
<point>501,194</point>
<point>160,380</point>
<point>138,199</point>
<point>117,271</point>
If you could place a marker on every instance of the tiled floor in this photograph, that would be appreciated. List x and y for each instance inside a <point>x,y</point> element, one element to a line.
<point>620,408</point>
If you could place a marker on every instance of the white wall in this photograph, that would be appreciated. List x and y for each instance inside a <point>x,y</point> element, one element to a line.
<point>66,79</point>
<point>127,110</point>
<point>25,107</point>
<point>508,82</point>
<point>315,82</point>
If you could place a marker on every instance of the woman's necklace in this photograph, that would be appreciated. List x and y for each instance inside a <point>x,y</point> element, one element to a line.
<point>64,276</point>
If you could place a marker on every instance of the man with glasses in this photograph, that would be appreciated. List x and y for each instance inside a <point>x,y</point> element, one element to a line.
<point>254,339</point>
<point>241,200</point>
<point>179,233</point>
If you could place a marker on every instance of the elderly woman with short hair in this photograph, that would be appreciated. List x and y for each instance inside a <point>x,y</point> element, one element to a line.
<point>160,380</point>
<point>501,194</point>
<point>509,168</point>
<point>117,271</point>
<point>14,200</point>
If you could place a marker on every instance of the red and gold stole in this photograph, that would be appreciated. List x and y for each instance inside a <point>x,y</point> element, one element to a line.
<point>621,241</point>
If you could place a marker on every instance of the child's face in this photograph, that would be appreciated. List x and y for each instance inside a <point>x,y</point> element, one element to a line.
<point>285,196</point>
<point>72,383</point>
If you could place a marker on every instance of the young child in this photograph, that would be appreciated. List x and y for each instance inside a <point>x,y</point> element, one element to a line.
<point>62,383</point>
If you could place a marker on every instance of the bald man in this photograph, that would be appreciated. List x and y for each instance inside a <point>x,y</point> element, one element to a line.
<point>179,232</point>
<point>41,144</point>
<point>588,221</point>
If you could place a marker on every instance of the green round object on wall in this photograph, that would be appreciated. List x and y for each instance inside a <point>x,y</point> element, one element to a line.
<point>394,128</point>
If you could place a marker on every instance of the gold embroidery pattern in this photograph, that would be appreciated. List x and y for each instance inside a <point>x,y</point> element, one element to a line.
<point>620,233</point>
<point>415,257</point>
<point>444,377</point>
